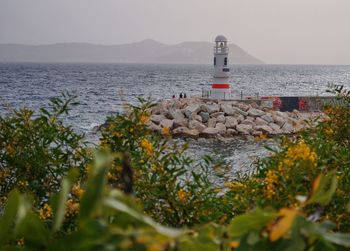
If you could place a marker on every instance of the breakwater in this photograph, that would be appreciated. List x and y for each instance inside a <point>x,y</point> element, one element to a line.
<point>197,117</point>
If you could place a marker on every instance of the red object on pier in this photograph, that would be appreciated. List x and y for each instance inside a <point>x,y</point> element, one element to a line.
<point>277,103</point>
<point>303,106</point>
<point>220,86</point>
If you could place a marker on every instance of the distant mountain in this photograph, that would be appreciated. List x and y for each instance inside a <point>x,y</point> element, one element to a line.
<point>147,51</point>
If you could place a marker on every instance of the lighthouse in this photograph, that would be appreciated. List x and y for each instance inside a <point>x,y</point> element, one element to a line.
<point>220,88</point>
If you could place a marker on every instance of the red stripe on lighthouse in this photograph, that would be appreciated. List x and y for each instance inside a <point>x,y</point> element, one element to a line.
<point>220,86</point>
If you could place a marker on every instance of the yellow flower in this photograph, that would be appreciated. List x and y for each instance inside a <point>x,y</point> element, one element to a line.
<point>10,150</point>
<point>77,191</point>
<point>261,137</point>
<point>300,151</point>
<point>104,144</point>
<point>109,176</point>
<point>271,181</point>
<point>182,195</point>
<point>165,131</point>
<point>126,244</point>
<point>117,134</point>
<point>329,131</point>
<point>234,244</point>
<point>45,212</point>
<point>22,184</point>
<point>234,185</point>
<point>147,146</point>
<point>72,208</point>
<point>155,247</point>
<point>144,118</point>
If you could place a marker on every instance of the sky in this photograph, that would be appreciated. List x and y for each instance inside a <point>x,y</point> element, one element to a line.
<point>275,31</point>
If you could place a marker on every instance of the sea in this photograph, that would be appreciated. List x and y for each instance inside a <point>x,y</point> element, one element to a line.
<point>102,89</point>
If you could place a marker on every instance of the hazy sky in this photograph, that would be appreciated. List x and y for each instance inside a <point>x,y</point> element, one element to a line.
<point>276,31</point>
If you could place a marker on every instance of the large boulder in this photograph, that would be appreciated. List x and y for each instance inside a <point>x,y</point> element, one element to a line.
<point>253,112</point>
<point>167,123</point>
<point>248,121</point>
<point>279,120</point>
<point>276,128</point>
<point>243,106</point>
<point>210,132</point>
<point>227,109</point>
<point>240,118</point>
<point>260,121</point>
<point>180,123</point>
<point>287,128</point>
<point>231,132</point>
<point>239,111</point>
<point>244,129</point>
<point>264,128</point>
<point>230,110</point>
<point>220,119</point>
<point>153,127</point>
<point>174,104</point>
<point>194,124</point>
<point>221,128</point>
<point>198,118</point>
<point>157,110</point>
<point>192,110</point>
<point>267,117</point>
<point>155,118</point>
<point>175,114</point>
<point>231,122</point>
<point>185,132</point>
<point>257,133</point>
<point>292,121</point>
<point>210,108</point>
<point>205,116</point>
<point>281,114</point>
<point>216,114</point>
<point>212,122</point>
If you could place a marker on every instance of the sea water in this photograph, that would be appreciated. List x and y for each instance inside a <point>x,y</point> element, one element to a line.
<point>102,89</point>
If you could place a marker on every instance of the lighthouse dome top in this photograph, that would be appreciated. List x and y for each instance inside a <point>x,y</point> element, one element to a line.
<point>220,38</point>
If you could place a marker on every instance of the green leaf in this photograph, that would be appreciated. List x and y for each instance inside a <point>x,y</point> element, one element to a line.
<point>199,245</point>
<point>33,230</point>
<point>120,206</point>
<point>323,189</point>
<point>95,185</point>
<point>252,221</point>
<point>342,239</point>
<point>59,202</point>
<point>8,219</point>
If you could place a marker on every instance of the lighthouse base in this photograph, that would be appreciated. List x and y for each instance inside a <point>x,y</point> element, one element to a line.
<point>220,91</point>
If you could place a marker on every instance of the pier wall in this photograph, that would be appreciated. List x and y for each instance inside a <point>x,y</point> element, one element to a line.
<point>291,103</point>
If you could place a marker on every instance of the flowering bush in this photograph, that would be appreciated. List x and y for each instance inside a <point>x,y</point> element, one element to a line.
<point>37,150</point>
<point>289,203</point>
<point>111,220</point>
<point>172,187</point>
<point>283,178</point>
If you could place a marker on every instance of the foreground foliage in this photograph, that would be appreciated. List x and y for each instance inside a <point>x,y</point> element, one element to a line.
<point>142,192</point>
<point>37,150</point>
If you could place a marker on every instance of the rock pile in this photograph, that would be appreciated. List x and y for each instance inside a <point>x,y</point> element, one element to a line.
<point>195,118</point>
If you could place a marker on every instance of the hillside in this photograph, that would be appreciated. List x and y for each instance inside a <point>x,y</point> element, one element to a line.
<point>147,51</point>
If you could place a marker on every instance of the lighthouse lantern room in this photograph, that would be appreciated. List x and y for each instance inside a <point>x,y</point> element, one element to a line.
<point>220,88</point>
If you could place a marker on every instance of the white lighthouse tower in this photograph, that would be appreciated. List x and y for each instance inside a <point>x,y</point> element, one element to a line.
<point>220,88</point>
